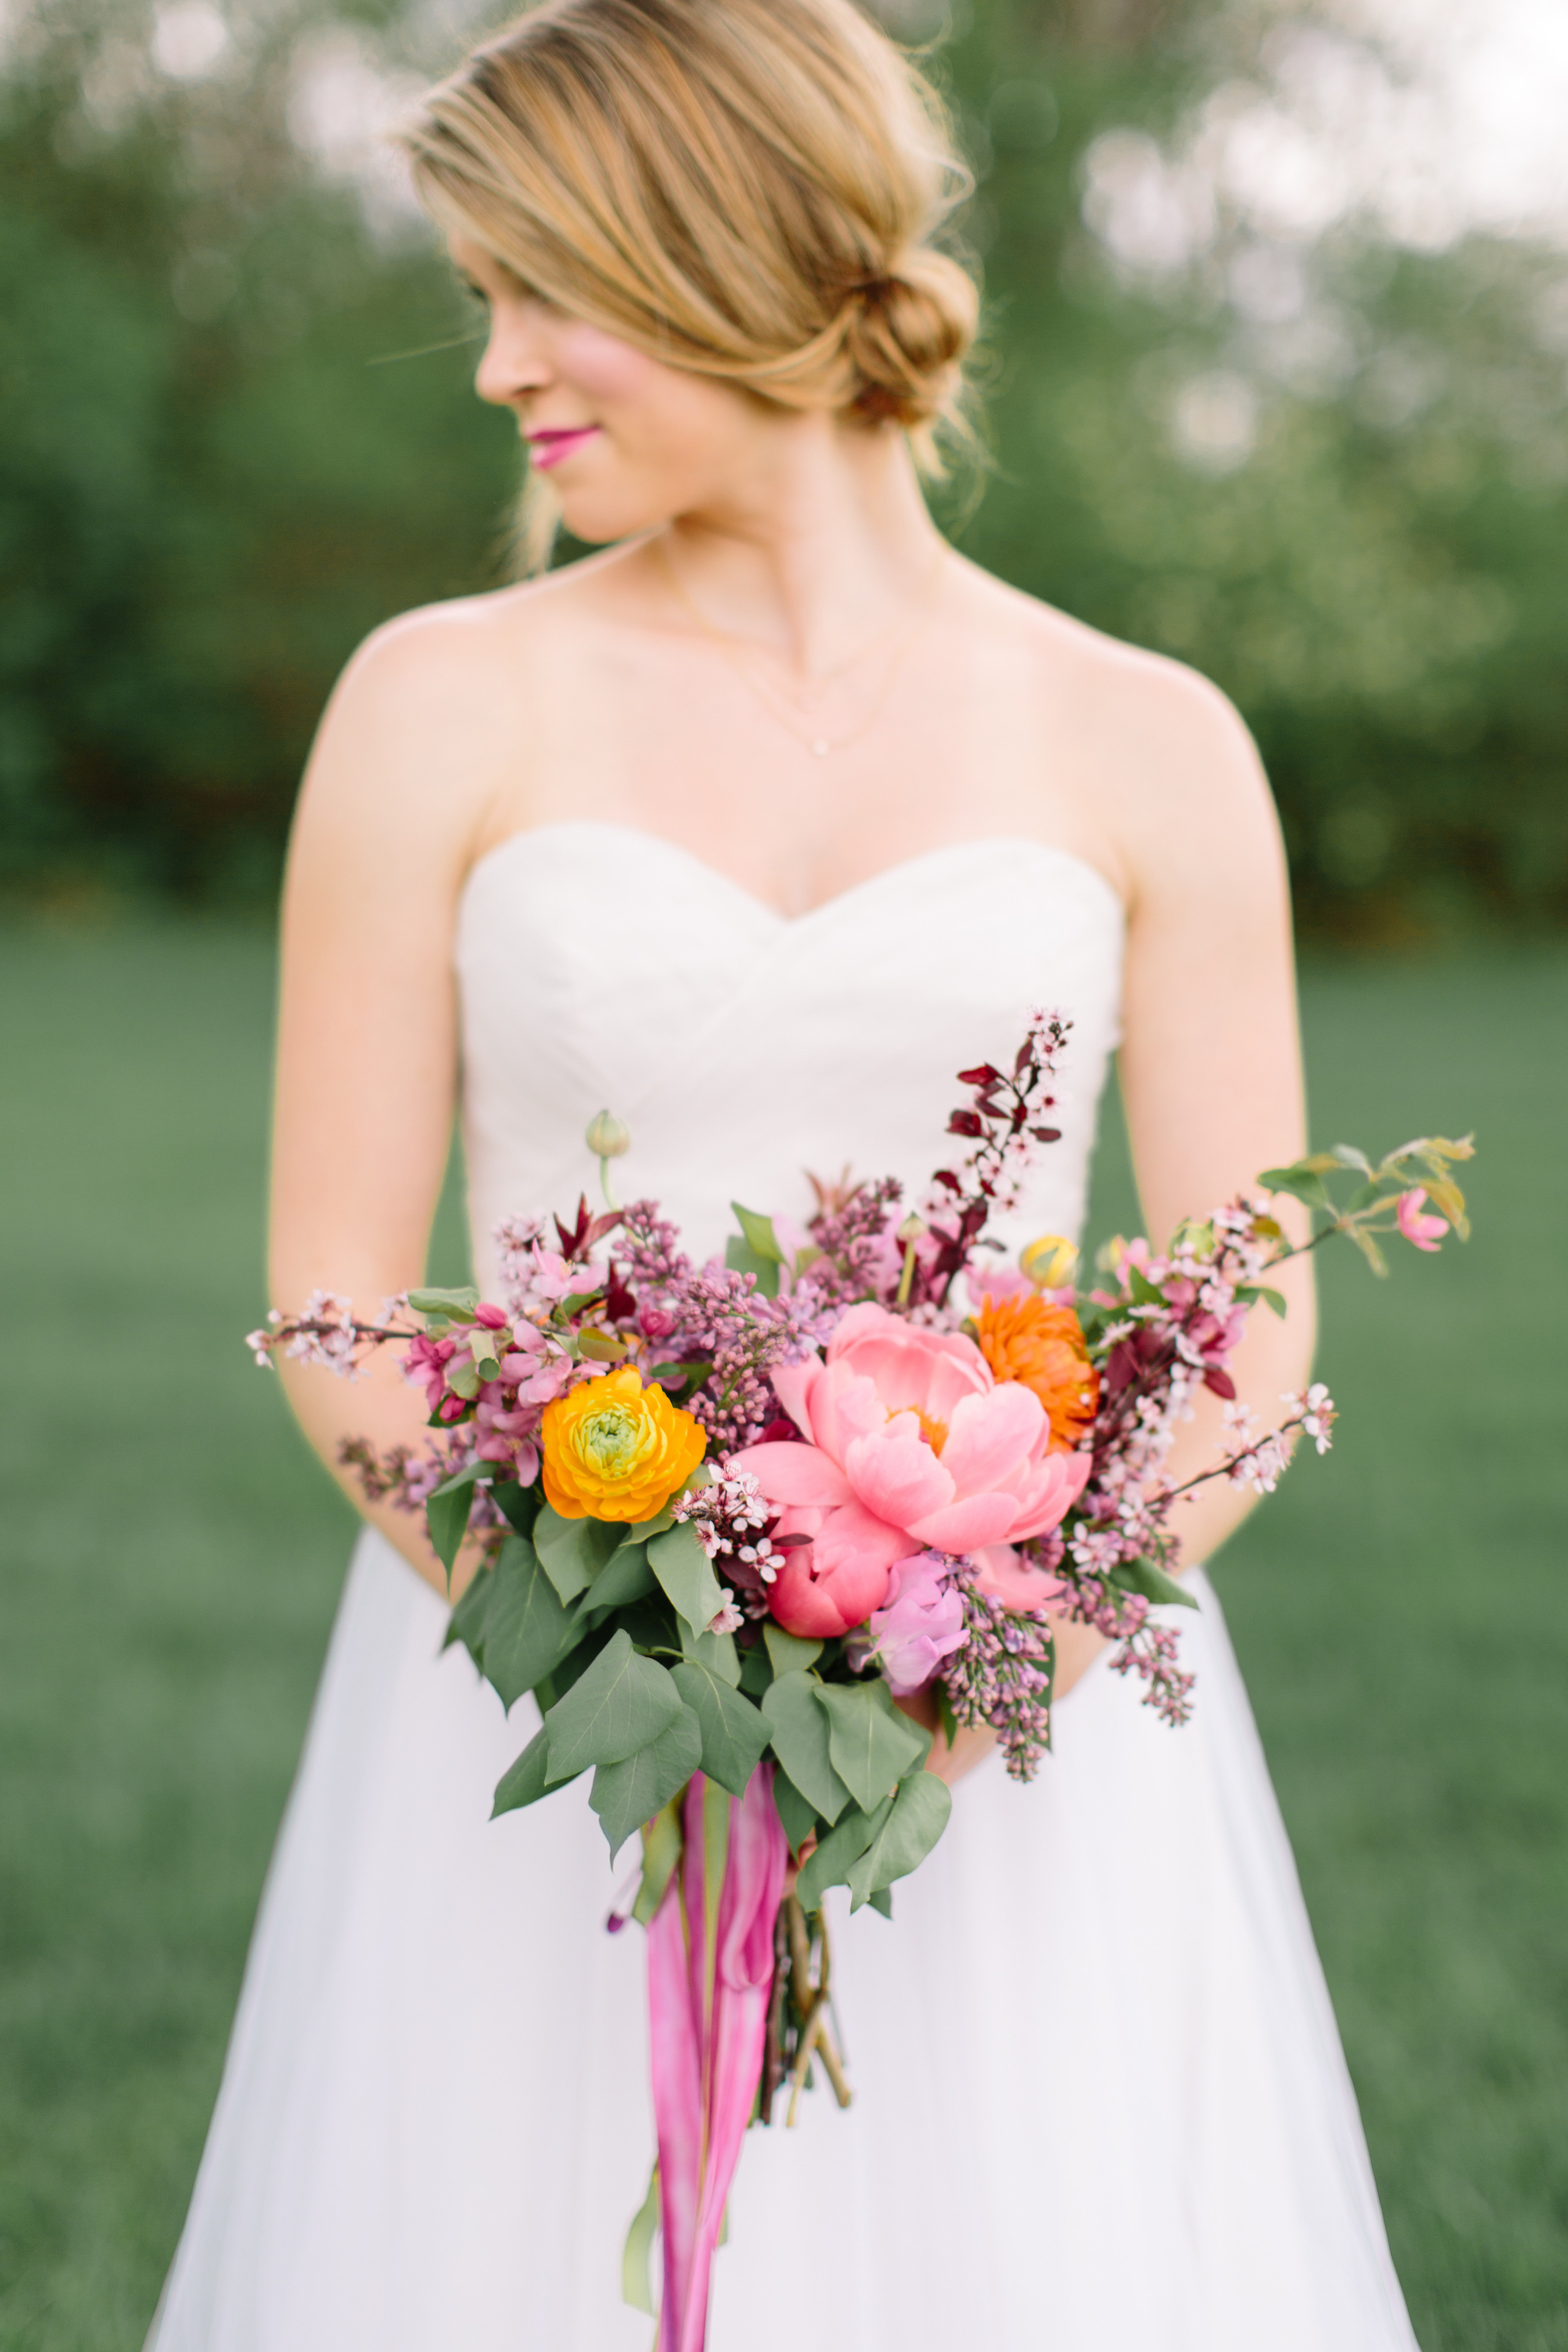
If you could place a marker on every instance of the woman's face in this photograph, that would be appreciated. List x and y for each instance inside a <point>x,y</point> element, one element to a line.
<point>625,441</point>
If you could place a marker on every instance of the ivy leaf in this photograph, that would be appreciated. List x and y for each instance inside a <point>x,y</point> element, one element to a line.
<point>741,1258</point>
<point>788,1651</point>
<point>717,1651</point>
<point>734,1733</point>
<point>839,1851</point>
<point>529,1778</point>
<point>636,2256</point>
<point>756,1668</point>
<point>458,1306</point>
<point>686,1572</point>
<point>797,1813</point>
<point>904,1837</point>
<point>466,1622</point>
<point>800,1732</point>
<point>1142,1576</point>
<point>573,1550</point>
<point>664,1842</point>
<point>759,1234</point>
<point>1301,1179</point>
<point>621,1703</point>
<point>631,1792</point>
<point>447,1507</point>
<point>870,1743</point>
<point>518,1505</point>
<point>626,1579</point>
<point>526,1631</point>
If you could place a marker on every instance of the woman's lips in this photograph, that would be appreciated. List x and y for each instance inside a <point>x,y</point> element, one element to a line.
<point>548,447</point>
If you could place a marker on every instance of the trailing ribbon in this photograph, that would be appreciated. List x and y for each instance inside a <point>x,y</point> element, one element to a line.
<point>710,1973</point>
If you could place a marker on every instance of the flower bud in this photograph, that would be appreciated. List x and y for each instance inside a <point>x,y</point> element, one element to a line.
<point>1049,1262</point>
<point>912,1229</point>
<point>606,1137</point>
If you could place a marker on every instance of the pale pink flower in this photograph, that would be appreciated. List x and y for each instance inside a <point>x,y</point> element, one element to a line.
<point>1425,1233</point>
<point>920,1622</point>
<point>912,1442</point>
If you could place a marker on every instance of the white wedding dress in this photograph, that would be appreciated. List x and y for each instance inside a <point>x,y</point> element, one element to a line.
<point>1100,2102</point>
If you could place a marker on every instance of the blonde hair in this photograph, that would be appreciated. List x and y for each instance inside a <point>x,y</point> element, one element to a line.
<point>751,189</point>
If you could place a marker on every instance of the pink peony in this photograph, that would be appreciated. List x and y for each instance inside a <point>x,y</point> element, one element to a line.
<point>920,1622</point>
<point>1425,1233</point>
<point>912,1441</point>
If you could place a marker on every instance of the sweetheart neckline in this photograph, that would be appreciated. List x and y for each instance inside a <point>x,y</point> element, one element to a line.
<point>884,875</point>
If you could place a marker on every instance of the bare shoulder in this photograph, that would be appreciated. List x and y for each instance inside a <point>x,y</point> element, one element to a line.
<point>430,716</point>
<point>1160,762</point>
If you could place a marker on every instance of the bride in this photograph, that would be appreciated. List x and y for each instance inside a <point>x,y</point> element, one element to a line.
<point>757,827</point>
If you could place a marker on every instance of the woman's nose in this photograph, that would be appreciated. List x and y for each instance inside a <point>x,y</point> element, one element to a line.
<point>515,364</point>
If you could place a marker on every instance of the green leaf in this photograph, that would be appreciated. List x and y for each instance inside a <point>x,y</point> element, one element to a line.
<point>800,1731</point>
<point>881,1900</point>
<point>789,1652</point>
<point>759,1231</point>
<point>529,1778</point>
<point>518,1505</point>
<point>458,1306</point>
<point>1303,1180</point>
<point>741,1258</point>
<point>627,1793</point>
<point>734,1733</point>
<point>1250,1293</point>
<point>797,1813</point>
<point>574,1551</point>
<point>446,1515</point>
<point>839,1851</point>
<point>626,1579</point>
<point>526,1631</point>
<point>686,1572</point>
<point>463,1378</point>
<point>916,1819</point>
<point>623,1701</point>
<point>1368,1248</point>
<point>663,1841</point>
<point>755,1669</point>
<point>1142,1576</point>
<point>466,1622</point>
<point>717,1651</point>
<point>870,1743</point>
<point>1349,1157</point>
<point>636,2287</point>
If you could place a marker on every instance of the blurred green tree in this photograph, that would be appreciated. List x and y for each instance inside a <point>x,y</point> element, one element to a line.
<point>1327,462</point>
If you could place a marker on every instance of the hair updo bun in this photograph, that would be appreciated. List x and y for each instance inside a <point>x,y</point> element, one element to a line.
<point>905,336</point>
<point>752,189</point>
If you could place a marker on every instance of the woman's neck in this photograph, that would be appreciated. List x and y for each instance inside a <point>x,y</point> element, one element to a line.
<point>823,543</point>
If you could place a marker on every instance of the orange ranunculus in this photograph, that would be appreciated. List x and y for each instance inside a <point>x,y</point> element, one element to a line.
<point>615,1450</point>
<point>1026,1339</point>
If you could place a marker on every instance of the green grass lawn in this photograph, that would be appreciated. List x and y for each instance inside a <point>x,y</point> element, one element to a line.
<point>172,1559</point>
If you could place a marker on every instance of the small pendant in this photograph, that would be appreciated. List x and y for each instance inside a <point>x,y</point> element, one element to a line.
<point>822,747</point>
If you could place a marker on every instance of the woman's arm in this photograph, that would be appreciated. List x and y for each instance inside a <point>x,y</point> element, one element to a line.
<point>1211,1063</point>
<point>367,1048</point>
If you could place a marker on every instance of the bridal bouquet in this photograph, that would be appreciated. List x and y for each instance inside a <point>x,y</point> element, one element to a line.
<point>725,1516</point>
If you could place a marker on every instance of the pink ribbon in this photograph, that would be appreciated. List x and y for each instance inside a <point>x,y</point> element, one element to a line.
<point>710,1975</point>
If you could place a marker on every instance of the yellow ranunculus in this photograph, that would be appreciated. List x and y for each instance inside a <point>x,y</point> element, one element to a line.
<point>615,1450</point>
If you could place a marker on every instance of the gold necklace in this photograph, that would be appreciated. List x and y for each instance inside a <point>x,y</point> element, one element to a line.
<point>788,713</point>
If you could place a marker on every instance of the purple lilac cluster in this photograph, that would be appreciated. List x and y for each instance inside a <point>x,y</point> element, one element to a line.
<point>1002,1673</point>
<point>713,1316</point>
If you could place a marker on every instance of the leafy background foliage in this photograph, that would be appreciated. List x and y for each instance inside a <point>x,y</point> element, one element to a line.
<point>1326,461</point>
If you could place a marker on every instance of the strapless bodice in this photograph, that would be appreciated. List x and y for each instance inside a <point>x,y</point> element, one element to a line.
<point>602,967</point>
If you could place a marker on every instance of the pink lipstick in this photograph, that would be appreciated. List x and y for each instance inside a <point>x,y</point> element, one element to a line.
<point>549,446</point>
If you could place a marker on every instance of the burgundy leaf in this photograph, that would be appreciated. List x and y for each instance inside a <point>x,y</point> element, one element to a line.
<point>1221,1382</point>
<point>982,1075</point>
<point>964,1122</point>
<point>1046,1134</point>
